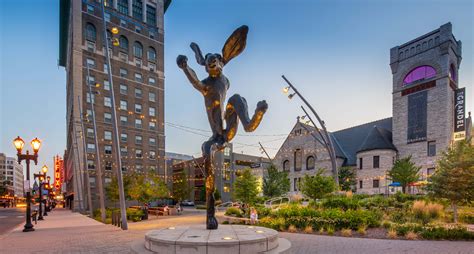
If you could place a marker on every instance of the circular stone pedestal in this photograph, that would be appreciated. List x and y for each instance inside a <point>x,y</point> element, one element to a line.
<point>227,239</point>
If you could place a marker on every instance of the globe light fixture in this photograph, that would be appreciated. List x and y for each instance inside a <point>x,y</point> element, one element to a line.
<point>44,169</point>
<point>115,30</point>
<point>19,144</point>
<point>36,144</point>
<point>286,89</point>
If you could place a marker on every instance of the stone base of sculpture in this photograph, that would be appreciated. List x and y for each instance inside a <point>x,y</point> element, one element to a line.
<point>227,239</point>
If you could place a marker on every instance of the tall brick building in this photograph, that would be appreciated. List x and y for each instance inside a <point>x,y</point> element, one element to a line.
<point>428,116</point>
<point>138,81</point>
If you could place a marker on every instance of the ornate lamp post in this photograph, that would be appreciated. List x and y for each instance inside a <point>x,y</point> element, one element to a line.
<point>35,144</point>
<point>48,188</point>
<point>41,177</point>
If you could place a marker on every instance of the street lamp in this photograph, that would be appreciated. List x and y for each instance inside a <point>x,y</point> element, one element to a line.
<point>35,144</point>
<point>41,180</point>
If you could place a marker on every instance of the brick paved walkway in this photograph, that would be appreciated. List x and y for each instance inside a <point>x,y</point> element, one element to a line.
<point>66,232</point>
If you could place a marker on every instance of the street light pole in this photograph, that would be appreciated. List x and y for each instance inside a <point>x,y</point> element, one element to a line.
<point>88,181</point>
<point>41,178</point>
<point>329,145</point>
<point>123,210</point>
<point>35,144</point>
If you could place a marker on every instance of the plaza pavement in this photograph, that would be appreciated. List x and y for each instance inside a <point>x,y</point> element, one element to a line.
<point>66,232</point>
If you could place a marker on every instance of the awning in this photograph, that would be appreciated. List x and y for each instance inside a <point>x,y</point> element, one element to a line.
<point>395,184</point>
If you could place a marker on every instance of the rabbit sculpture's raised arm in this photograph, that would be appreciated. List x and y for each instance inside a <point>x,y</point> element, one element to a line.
<point>214,89</point>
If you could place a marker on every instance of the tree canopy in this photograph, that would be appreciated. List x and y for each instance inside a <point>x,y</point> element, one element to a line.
<point>317,186</point>
<point>246,187</point>
<point>404,171</point>
<point>181,188</point>
<point>276,183</point>
<point>347,178</point>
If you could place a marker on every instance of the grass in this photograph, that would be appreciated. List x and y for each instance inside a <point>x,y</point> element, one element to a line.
<point>308,230</point>
<point>330,230</point>
<point>392,234</point>
<point>292,229</point>
<point>411,235</point>
<point>347,232</point>
<point>362,230</point>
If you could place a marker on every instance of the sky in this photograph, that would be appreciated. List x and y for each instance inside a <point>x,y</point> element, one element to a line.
<point>335,52</point>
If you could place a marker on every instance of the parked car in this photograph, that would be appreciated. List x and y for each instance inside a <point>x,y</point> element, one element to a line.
<point>187,203</point>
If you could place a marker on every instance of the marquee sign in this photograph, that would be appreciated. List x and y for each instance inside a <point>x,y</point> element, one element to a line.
<point>460,114</point>
<point>58,169</point>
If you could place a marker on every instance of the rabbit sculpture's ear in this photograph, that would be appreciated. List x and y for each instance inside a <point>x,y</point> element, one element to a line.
<point>235,44</point>
<point>198,53</point>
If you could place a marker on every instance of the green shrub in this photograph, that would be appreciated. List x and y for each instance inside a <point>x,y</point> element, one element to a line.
<point>403,229</point>
<point>438,233</point>
<point>399,216</point>
<point>134,214</point>
<point>467,216</point>
<point>201,207</point>
<point>263,211</point>
<point>233,211</point>
<point>341,202</point>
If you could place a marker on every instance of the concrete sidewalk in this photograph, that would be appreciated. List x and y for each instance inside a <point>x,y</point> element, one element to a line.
<point>63,231</point>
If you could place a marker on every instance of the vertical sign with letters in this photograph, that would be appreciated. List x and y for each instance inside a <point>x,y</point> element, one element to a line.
<point>460,114</point>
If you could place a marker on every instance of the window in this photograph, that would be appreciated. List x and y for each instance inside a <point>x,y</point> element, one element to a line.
<point>123,23</point>
<point>138,108</point>
<point>151,81</point>
<point>123,57</point>
<point>137,9</point>
<point>138,93</point>
<point>361,184</point>
<point>123,151</point>
<point>107,17</point>
<point>376,161</point>
<point>123,137</point>
<point>90,148</point>
<point>286,165</point>
<point>152,66</point>
<point>452,72</point>
<point>432,148</point>
<point>108,149</point>
<point>90,32</point>
<point>227,151</point>
<point>123,105</point>
<point>152,35</point>
<point>137,49</point>
<point>123,72</point>
<point>138,139</point>
<point>123,120</point>
<point>298,159</point>
<point>152,126</point>
<point>151,54</point>
<point>90,9</point>
<point>106,68</point>
<point>90,133</point>
<point>429,173</point>
<point>151,111</point>
<point>88,99</point>
<point>310,163</point>
<point>138,62</point>
<point>419,73</point>
<point>90,63</point>
<point>150,15</point>
<point>138,153</point>
<point>90,164</point>
<point>375,183</point>
<point>90,46</point>
<point>107,135</point>
<point>89,115</point>
<point>226,187</point>
<point>152,141</point>
<point>123,89</point>
<point>108,165</point>
<point>138,123</point>
<point>138,77</point>
<point>151,97</point>
<point>138,29</point>
<point>106,85</point>
<point>91,80</point>
<point>107,102</point>
<point>417,117</point>
<point>152,155</point>
<point>295,184</point>
<point>122,6</point>
<point>123,43</point>
<point>361,163</point>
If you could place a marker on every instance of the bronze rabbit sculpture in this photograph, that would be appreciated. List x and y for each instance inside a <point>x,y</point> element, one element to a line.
<point>214,89</point>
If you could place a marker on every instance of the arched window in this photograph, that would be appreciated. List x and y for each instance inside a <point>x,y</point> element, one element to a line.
<point>123,43</point>
<point>286,165</point>
<point>137,49</point>
<point>298,159</point>
<point>151,54</point>
<point>452,72</point>
<point>419,73</point>
<point>310,162</point>
<point>90,32</point>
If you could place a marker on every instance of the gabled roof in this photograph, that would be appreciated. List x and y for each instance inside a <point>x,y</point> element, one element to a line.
<point>378,138</point>
<point>351,139</point>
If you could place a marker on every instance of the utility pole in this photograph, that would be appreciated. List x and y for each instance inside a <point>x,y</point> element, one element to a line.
<point>123,207</point>
<point>98,169</point>
<point>265,151</point>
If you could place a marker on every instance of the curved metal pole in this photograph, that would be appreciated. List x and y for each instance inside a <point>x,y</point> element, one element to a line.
<point>330,147</point>
<point>88,181</point>
<point>123,211</point>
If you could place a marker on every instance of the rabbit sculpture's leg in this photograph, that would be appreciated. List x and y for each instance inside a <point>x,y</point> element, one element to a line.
<point>209,149</point>
<point>237,109</point>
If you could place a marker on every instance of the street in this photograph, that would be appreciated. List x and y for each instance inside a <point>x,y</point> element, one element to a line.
<point>10,218</point>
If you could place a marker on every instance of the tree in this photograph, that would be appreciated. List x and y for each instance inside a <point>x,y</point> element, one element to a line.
<point>347,178</point>
<point>181,188</point>
<point>246,187</point>
<point>454,176</point>
<point>317,186</point>
<point>276,183</point>
<point>217,194</point>
<point>146,187</point>
<point>112,190</point>
<point>404,171</point>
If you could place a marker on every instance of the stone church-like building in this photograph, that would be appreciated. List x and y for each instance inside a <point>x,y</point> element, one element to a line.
<point>428,116</point>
